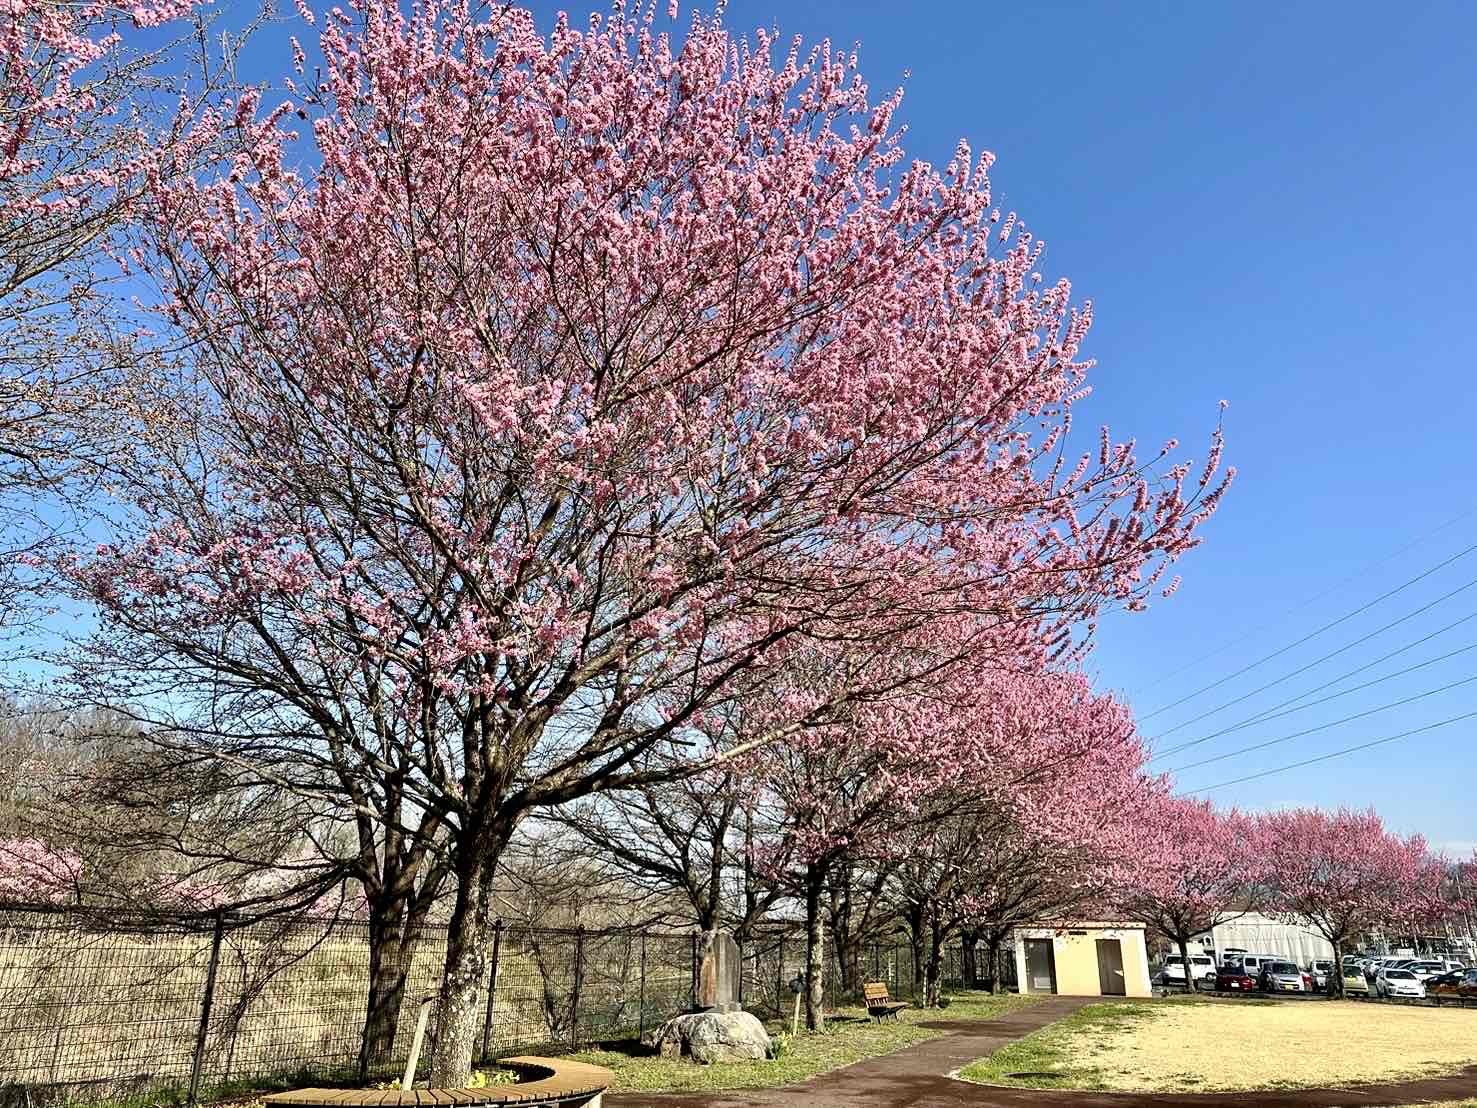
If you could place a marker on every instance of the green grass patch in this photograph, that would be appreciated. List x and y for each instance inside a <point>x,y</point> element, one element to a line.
<point>850,1036</point>
<point>1052,1056</point>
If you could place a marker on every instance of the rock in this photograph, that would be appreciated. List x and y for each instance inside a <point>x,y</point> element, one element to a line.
<point>708,1037</point>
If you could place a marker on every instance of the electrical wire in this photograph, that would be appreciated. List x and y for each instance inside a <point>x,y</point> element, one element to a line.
<point>1273,713</point>
<point>1325,726</point>
<point>1355,576</point>
<point>1313,634</point>
<point>1336,754</point>
<point>1317,661</point>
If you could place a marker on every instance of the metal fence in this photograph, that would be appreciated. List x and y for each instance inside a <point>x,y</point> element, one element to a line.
<point>151,1008</point>
<point>146,1008</point>
<point>771,962</point>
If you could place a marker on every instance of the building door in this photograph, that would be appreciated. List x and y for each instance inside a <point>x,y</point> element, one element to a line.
<point>1110,968</point>
<point>1040,966</point>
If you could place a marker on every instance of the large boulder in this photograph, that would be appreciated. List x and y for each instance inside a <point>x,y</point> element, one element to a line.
<point>708,1037</point>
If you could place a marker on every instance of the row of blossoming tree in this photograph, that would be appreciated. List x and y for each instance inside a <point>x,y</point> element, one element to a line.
<point>559,414</point>
<point>539,419</point>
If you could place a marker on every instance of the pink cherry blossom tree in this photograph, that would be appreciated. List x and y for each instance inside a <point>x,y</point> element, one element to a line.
<point>582,383</point>
<point>85,123</point>
<point>31,872</point>
<point>836,795</point>
<point>1036,816</point>
<point>1195,868</point>
<point>1343,874</point>
<point>1461,898</point>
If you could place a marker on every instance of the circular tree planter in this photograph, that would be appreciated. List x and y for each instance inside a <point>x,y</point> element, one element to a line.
<point>541,1081</point>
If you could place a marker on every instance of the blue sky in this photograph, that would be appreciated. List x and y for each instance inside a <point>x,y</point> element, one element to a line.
<point>1269,204</point>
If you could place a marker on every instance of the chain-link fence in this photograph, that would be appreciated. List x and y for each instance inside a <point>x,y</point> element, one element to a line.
<point>145,1007</point>
<point>135,1007</point>
<point>770,962</point>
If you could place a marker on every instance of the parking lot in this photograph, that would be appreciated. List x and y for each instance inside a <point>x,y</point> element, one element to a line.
<point>1429,981</point>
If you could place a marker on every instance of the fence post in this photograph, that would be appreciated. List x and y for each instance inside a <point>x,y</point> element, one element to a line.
<point>692,1001</point>
<point>205,1003</point>
<point>740,948</point>
<point>574,995</point>
<point>641,995</point>
<point>497,946</point>
<point>779,977</point>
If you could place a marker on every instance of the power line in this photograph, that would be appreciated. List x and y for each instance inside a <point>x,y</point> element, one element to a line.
<point>1317,661</point>
<point>1314,634</point>
<point>1325,726</point>
<point>1336,753</point>
<point>1356,575</point>
<point>1273,713</point>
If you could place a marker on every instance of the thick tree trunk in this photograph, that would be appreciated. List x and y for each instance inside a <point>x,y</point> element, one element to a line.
<point>1190,983</point>
<point>459,1010</point>
<point>390,950</point>
<point>968,963</point>
<point>1336,974</point>
<point>849,959</point>
<point>815,963</point>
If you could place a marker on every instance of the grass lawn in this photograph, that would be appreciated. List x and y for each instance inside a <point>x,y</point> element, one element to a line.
<point>1193,1045</point>
<point>849,1039</point>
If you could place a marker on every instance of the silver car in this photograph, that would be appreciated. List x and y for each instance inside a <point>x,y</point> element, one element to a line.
<point>1284,977</point>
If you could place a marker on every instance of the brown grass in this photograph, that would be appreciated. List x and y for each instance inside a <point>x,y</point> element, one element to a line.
<point>1158,1047</point>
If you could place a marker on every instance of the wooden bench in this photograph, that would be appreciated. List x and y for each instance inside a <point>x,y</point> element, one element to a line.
<point>879,1004</point>
<point>544,1081</point>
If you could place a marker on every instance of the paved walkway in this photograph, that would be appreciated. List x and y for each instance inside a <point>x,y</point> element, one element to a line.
<point>916,1077</point>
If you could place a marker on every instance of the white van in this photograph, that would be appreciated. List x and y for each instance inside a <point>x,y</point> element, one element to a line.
<point>1201,965</point>
<point>1252,964</point>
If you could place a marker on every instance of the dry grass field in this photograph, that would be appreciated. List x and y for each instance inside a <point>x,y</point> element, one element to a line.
<point>1204,1046</point>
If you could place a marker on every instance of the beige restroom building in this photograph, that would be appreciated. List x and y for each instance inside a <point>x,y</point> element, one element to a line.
<point>1083,959</point>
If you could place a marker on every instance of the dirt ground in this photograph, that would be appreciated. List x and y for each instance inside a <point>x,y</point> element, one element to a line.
<point>1229,1046</point>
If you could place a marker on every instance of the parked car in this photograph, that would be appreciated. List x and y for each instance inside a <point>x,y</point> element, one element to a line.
<point>1285,977</point>
<point>1425,968</point>
<point>1201,965</point>
<point>1320,968</point>
<point>1234,979</point>
<point>1354,982</point>
<point>1253,963</point>
<point>1380,965</point>
<point>1452,985</point>
<point>1399,982</point>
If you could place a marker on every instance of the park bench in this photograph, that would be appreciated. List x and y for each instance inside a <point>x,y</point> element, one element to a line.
<point>879,1004</point>
<point>551,1081</point>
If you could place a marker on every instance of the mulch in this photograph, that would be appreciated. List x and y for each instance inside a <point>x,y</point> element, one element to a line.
<point>916,1077</point>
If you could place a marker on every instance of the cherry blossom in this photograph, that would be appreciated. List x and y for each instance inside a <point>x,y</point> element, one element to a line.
<point>585,382</point>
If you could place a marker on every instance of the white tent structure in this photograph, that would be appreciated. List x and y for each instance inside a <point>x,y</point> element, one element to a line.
<point>1259,934</point>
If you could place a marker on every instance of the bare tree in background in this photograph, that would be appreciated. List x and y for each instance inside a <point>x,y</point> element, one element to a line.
<point>683,840</point>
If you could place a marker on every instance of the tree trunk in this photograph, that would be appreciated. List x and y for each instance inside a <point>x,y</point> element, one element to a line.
<point>992,961</point>
<point>459,1009</point>
<point>396,922</point>
<point>1190,985</point>
<point>1336,975</point>
<point>968,963</point>
<point>815,965</point>
<point>843,941</point>
<point>849,957</point>
<point>935,963</point>
<point>915,921</point>
<point>390,951</point>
